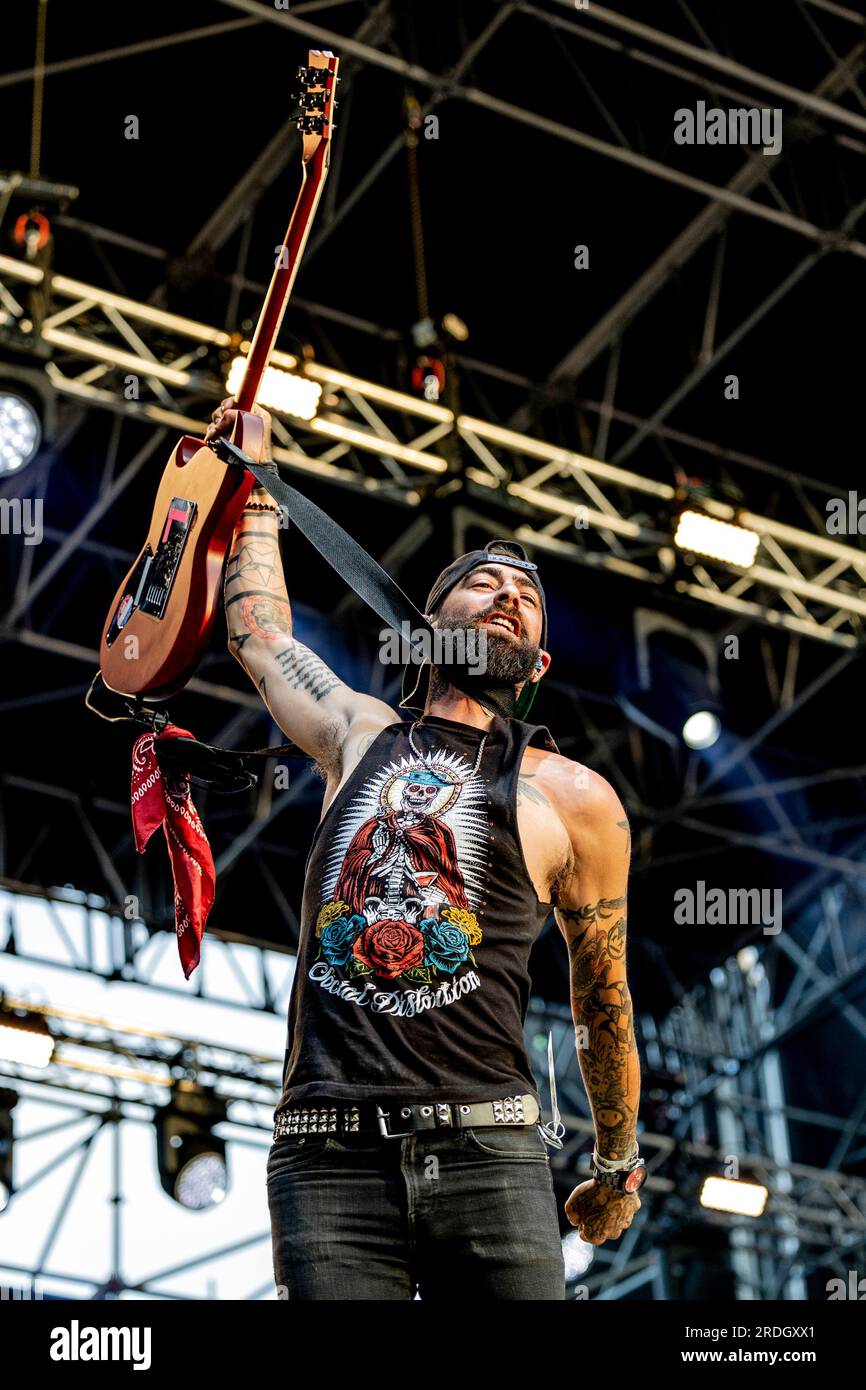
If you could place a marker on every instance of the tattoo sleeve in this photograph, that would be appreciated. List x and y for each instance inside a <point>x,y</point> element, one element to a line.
<point>259,620</point>
<point>603,1018</point>
<point>256,600</point>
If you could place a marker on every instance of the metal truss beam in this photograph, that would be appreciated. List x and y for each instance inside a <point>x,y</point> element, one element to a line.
<point>718,62</point>
<point>484,100</point>
<point>803,582</point>
<point>128,50</point>
<point>127,949</point>
<point>708,361</point>
<point>707,224</point>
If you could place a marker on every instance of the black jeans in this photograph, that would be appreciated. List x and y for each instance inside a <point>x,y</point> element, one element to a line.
<point>469,1213</point>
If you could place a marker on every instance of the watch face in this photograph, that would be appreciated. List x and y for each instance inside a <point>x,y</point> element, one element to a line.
<point>635,1179</point>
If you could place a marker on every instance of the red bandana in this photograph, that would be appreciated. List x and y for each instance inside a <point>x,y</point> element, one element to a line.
<point>166,801</point>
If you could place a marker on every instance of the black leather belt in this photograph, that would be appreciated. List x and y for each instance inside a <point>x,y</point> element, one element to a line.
<point>392,1120</point>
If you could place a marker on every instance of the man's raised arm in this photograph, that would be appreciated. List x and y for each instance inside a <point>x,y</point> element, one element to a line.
<point>312,706</point>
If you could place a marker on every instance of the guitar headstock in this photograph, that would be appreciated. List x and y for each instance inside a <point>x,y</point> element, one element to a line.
<point>317,83</point>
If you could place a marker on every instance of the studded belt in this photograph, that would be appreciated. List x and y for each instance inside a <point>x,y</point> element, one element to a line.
<point>399,1120</point>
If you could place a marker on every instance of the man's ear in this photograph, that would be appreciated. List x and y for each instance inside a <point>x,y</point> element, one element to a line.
<point>546,659</point>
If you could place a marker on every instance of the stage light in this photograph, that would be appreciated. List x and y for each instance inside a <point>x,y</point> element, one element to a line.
<point>702,729</point>
<point>25,1038</point>
<point>455,328</point>
<point>283,391</point>
<point>577,1254</point>
<point>190,1157</point>
<point>740,1198</point>
<point>704,535</point>
<point>202,1182</point>
<point>20,432</point>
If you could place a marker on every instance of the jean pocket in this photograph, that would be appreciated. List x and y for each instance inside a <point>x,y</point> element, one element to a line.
<point>520,1142</point>
<point>291,1152</point>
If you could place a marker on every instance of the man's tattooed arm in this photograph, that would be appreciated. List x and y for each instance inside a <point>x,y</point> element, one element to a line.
<point>312,706</point>
<point>603,1019</point>
<point>591,914</point>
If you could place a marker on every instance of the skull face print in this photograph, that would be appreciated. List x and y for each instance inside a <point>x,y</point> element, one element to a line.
<point>418,796</point>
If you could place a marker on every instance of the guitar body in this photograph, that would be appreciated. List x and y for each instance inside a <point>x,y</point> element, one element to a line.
<point>163,613</point>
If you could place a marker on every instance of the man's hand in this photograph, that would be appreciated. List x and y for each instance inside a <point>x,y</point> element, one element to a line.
<point>600,1213</point>
<point>224,422</point>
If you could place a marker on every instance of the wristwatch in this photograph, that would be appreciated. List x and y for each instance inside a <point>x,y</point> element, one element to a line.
<point>625,1175</point>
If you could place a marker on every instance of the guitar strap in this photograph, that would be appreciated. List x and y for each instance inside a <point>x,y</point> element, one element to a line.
<point>223,769</point>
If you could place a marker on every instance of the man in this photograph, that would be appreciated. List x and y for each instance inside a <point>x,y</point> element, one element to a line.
<point>407,1152</point>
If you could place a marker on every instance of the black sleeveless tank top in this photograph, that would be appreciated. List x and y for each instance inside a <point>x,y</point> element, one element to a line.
<point>417,921</point>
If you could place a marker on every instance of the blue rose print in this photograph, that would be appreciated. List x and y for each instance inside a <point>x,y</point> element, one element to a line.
<point>446,946</point>
<point>338,937</point>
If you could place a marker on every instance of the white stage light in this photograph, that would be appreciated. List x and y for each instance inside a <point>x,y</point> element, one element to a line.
<point>704,535</point>
<point>741,1198</point>
<point>279,390</point>
<point>20,432</point>
<point>202,1182</point>
<point>578,1254</point>
<point>702,729</point>
<point>25,1040</point>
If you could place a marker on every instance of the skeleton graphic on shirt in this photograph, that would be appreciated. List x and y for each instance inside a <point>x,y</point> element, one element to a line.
<point>406,871</point>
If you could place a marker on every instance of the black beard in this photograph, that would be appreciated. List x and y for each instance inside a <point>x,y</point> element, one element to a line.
<point>509,661</point>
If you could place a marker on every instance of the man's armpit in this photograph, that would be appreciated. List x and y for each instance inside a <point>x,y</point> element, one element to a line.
<point>330,760</point>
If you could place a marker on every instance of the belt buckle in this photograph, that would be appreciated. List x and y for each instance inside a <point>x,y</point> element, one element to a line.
<point>382,1117</point>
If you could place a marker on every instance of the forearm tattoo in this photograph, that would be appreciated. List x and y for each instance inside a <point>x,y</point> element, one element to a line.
<point>602,1004</point>
<point>256,601</point>
<point>257,605</point>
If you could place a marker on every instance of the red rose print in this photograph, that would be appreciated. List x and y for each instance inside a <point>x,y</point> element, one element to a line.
<point>389,947</point>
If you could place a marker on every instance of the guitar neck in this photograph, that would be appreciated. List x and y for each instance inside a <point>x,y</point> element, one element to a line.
<point>283,278</point>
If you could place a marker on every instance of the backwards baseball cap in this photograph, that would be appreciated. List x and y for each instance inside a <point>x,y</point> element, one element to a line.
<point>499,695</point>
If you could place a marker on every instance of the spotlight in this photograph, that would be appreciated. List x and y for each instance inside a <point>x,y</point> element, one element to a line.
<point>283,391</point>
<point>726,1194</point>
<point>702,729</point>
<point>25,1038</point>
<point>191,1159</point>
<point>577,1254</point>
<point>705,535</point>
<point>454,327</point>
<point>20,432</point>
<point>8,1101</point>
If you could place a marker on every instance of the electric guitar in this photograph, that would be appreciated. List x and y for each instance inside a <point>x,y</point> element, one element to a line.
<point>162,616</point>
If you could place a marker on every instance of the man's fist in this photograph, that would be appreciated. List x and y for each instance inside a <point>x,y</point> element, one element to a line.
<point>600,1213</point>
<point>224,422</point>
